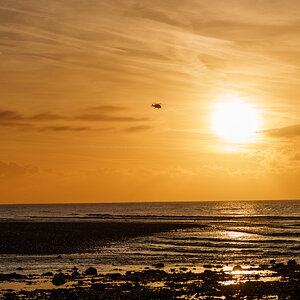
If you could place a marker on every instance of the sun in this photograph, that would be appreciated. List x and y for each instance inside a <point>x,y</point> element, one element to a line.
<point>235,121</point>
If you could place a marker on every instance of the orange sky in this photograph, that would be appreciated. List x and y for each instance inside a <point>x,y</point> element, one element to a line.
<point>77,80</point>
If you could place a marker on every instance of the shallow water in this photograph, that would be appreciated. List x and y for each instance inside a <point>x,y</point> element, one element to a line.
<point>251,232</point>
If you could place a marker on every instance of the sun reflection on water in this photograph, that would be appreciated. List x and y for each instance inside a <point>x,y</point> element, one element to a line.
<point>235,234</point>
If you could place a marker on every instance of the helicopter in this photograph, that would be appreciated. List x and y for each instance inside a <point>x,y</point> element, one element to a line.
<point>156,105</point>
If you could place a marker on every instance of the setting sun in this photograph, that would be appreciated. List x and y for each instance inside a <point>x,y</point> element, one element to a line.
<point>235,121</point>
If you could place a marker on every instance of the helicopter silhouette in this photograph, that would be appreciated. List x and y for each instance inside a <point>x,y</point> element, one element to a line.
<point>156,105</point>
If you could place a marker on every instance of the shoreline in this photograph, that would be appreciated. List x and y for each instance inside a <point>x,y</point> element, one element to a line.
<point>156,282</point>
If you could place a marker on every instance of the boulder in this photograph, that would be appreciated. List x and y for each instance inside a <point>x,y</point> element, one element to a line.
<point>59,279</point>
<point>292,262</point>
<point>75,274</point>
<point>91,271</point>
<point>237,268</point>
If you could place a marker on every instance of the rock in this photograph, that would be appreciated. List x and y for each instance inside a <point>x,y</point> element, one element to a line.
<point>12,276</point>
<point>292,262</point>
<point>279,266</point>
<point>75,269</point>
<point>20,268</point>
<point>75,274</point>
<point>159,265</point>
<point>183,269</point>
<point>47,274</point>
<point>272,261</point>
<point>114,276</point>
<point>59,279</point>
<point>91,271</point>
<point>10,296</point>
<point>59,257</point>
<point>99,286</point>
<point>264,267</point>
<point>237,268</point>
<point>207,266</point>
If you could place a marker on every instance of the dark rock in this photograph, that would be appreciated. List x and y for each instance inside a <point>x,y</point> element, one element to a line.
<point>278,267</point>
<point>59,279</point>
<point>292,262</point>
<point>98,286</point>
<point>20,268</point>
<point>183,269</point>
<point>128,286</point>
<point>237,268</point>
<point>75,274</point>
<point>10,296</point>
<point>264,267</point>
<point>91,271</point>
<point>75,269</point>
<point>207,266</point>
<point>47,274</point>
<point>159,265</point>
<point>12,276</point>
<point>272,261</point>
<point>59,257</point>
<point>114,276</point>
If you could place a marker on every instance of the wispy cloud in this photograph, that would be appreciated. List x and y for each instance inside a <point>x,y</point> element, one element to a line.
<point>138,128</point>
<point>45,117</point>
<point>10,118</point>
<point>107,108</point>
<point>63,128</point>
<point>106,118</point>
<point>283,132</point>
<point>9,115</point>
<point>13,170</point>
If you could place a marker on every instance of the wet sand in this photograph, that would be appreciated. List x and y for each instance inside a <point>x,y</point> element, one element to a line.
<point>73,237</point>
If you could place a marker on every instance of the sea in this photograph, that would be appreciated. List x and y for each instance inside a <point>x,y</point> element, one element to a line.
<point>236,232</point>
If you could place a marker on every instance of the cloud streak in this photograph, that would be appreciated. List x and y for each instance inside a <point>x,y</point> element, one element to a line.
<point>12,170</point>
<point>59,123</point>
<point>283,132</point>
<point>63,128</point>
<point>137,129</point>
<point>106,118</point>
<point>107,108</point>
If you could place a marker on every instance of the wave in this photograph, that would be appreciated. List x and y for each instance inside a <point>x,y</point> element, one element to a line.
<point>172,217</point>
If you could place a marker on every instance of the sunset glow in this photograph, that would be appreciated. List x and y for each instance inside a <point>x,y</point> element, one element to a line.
<point>235,122</point>
<point>78,80</point>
